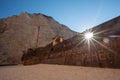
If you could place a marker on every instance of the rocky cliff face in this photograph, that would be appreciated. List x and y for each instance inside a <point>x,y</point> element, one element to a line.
<point>18,33</point>
<point>111,27</point>
<point>102,52</point>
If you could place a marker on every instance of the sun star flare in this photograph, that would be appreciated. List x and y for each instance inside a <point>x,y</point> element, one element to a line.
<point>88,35</point>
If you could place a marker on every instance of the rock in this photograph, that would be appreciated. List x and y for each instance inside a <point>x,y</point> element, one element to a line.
<point>18,33</point>
<point>101,53</point>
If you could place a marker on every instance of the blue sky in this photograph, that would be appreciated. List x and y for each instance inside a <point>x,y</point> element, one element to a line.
<point>78,15</point>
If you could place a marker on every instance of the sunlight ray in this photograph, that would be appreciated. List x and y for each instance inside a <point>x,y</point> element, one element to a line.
<point>80,42</point>
<point>103,31</point>
<point>104,46</point>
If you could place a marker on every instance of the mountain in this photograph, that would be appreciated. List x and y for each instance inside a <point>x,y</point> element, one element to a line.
<point>18,33</point>
<point>111,27</point>
<point>103,50</point>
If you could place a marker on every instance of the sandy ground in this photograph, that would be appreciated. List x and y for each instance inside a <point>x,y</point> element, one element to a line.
<point>57,72</point>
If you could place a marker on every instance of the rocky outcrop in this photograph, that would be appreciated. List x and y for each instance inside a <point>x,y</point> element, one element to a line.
<point>111,27</point>
<point>18,33</point>
<point>102,52</point>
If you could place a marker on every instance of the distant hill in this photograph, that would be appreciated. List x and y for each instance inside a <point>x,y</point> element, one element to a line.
<point>111,27</point>
<point>18,33</point>
<point>104,51</point>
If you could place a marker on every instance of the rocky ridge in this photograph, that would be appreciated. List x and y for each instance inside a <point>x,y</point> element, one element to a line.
<point>103,51</point>
<point>18,33</point>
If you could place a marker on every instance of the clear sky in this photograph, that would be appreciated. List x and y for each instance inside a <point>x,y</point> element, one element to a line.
<point>78,15</point>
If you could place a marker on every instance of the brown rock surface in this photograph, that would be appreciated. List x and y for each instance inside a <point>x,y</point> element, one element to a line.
<point>18,33</point>
<point>72,52</point>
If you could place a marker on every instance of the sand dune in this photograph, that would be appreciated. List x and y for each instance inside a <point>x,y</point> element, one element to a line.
<point>57,72</point>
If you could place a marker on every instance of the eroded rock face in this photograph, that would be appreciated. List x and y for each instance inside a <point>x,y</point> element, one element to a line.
<point>18,33</point>
<point>72,52</point>
<point>104,52</point>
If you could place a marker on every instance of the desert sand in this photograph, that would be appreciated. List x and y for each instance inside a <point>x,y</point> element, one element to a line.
<point>57,72</point>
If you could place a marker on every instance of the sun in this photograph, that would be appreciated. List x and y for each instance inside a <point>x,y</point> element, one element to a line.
<point>91,38</point>
<point>88,35</point>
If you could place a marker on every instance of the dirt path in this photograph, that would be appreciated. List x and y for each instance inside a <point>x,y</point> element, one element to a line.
<point>57,72</point>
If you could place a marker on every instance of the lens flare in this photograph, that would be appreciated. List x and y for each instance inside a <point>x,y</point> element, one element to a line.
<point>91,38</point>
<point>88,35</point>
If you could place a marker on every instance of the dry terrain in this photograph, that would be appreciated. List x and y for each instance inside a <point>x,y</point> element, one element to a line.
<point>57,72</point>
